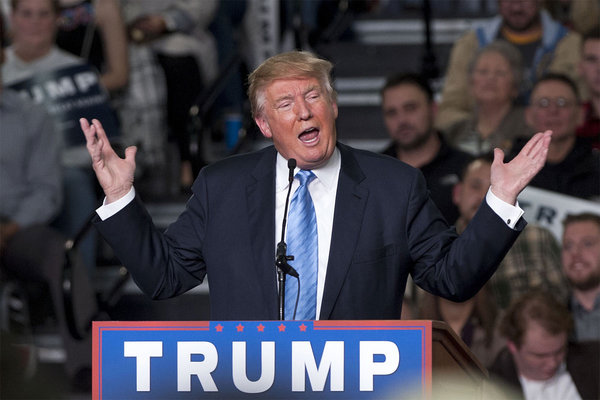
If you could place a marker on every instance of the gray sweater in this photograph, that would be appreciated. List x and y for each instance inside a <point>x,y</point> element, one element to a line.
<point>30,176</point>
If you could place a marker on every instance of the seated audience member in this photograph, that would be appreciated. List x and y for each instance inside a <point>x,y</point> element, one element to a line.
<point>534,259</point>
<point>545,45</point>
<point>538,361</point>
<point>473,320</point>
<point>581,263</point>
<point>571,167</point>
<point>589,69</point>
<point>408,112</point>
<point>30,196</point>
<point>33,52</point>
<point>494,81</point>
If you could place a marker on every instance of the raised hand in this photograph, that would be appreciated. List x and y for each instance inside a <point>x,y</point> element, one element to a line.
<point>114,173</point>
<point>509,179</point>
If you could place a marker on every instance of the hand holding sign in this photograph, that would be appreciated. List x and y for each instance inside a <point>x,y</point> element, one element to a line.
<point>509,179</point>
<point>114,173</point>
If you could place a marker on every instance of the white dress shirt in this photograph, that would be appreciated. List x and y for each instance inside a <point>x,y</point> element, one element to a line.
<point>323,190</point>
<point>559,387</point>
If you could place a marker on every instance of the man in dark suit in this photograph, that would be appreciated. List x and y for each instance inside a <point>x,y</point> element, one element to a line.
<point>375,221</point>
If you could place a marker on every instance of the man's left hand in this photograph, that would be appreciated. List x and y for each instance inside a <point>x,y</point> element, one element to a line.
<point>509,179</point>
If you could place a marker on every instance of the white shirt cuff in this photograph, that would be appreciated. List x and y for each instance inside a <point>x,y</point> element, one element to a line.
<point>106,211</point>
<point>510,214</point>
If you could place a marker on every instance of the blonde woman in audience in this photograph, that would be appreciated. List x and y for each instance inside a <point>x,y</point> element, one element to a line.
<point>494,79</point>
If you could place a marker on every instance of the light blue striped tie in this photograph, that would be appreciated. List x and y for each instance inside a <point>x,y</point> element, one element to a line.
<point>303,245</point>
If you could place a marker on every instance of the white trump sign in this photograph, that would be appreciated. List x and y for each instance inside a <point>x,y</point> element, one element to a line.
<point>549,209</point>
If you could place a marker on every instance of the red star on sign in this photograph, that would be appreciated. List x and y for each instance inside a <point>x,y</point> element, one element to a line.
<point>261,328</point>
<point>303,328</point>
<point>219,328</point>
<point>240,328</point>
<point>282,328</point>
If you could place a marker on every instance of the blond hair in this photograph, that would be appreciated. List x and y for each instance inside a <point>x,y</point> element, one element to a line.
<point>290,65</point>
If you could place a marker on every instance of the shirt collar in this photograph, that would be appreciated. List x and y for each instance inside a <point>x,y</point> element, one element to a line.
<point>562,369</point>
<point>326,174</point>
<point>576,305</point>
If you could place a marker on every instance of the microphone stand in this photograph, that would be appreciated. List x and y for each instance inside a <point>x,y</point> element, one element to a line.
<point>281,258</point>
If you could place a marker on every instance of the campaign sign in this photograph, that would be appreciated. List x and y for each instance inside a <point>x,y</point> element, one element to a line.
<point>549,209</point>
<point>262,359</point>
<point>68,94</point>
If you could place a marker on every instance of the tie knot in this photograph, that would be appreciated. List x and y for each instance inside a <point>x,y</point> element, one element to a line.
<point>305,177</point>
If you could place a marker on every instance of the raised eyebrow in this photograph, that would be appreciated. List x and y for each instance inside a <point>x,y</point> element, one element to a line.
<point>290,97</point>
<point>286,97</point>
<point>314,88</point>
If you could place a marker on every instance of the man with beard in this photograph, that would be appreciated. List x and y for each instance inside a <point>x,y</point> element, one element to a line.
<point>545,46</point>
<point>581,264</point>
<point>408,112</point>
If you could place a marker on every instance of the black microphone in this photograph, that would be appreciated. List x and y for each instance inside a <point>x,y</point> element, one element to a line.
<point>281,257</point>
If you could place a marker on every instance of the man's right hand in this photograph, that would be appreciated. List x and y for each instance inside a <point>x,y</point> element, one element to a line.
<point>114,173</point>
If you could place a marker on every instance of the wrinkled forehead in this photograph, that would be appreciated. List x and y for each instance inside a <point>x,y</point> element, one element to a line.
<point>552,88</point>
<point>51,5</point>
<point>519,4</point>
<point>591,46</point>
<point>492,58</point>
<point>538,339</point>
<point>581,228</point>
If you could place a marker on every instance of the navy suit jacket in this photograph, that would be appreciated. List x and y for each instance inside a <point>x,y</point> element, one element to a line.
<point>385,226</point>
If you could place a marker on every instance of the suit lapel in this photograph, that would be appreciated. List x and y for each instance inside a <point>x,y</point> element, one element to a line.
<point>261,219</point>
<point>350,204</point>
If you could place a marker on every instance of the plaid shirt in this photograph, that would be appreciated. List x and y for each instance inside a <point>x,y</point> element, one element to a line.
<point>533,262</point>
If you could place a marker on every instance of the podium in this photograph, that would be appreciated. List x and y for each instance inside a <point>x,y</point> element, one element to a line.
<point>282,360</point>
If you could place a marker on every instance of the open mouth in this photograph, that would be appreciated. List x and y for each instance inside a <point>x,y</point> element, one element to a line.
<point>309,135</point>
<point>578,266</point>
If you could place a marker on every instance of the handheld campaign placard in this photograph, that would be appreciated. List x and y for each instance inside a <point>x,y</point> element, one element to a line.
<point>262,359</point>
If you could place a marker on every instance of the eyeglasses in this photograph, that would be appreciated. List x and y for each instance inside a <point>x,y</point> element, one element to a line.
<point>559,102</point>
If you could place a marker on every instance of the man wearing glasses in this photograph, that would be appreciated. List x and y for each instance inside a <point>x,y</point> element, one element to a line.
<point>571,167</point>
